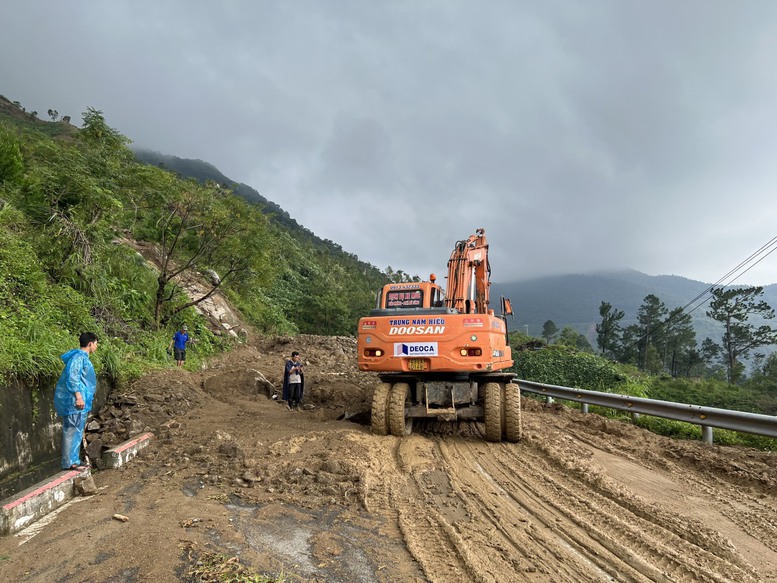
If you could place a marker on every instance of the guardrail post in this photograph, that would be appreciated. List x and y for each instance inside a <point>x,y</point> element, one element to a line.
<point>548,400</point>
<point>706,434</point>
<point>634,416</point>
<point>584,407</point>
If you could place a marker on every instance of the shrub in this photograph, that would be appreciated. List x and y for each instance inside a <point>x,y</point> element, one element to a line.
<point>556,365</point>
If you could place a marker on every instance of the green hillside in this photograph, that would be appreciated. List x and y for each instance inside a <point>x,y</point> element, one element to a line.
<point>73,205</point>
<point>204,172</point>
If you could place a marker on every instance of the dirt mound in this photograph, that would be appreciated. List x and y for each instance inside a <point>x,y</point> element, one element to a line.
<point>333,388</point>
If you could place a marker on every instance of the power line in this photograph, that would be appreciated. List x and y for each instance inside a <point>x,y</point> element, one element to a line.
<point>733,273</point>
<point>764,251</point>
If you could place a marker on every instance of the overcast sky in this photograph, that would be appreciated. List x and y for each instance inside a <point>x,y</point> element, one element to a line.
<point>582,136</point>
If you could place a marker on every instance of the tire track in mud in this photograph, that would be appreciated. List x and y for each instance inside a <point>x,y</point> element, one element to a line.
<point>743,514</point>
<point>603,523</point>
<point>552,542</point>
<point>473,511</point>
<point>748,513</point>
<point>390,490</point>
<point>455,532</point>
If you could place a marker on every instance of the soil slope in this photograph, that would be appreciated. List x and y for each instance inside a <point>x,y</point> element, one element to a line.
<point>315,496</point>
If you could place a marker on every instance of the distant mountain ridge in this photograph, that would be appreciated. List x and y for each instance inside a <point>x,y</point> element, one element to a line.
<point>574,300</point>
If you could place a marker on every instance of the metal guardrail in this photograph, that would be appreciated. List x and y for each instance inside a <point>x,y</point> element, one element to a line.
<point>707,417</point>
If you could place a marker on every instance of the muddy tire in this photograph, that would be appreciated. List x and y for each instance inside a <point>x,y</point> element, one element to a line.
<point>493,411</point>
<point>513,427</point>
<point>379,417</point>
<point>399,423</point>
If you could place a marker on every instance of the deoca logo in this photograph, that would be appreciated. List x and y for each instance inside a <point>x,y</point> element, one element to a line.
<point>415,349</point>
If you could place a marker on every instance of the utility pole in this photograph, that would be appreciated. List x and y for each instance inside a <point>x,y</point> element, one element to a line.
<point>526,327</point>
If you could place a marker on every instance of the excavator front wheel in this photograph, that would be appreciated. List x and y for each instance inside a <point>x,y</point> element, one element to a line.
<point>399,423</point>
<point>513,428</point>
<point>493,411</point>
<point>380,414</point>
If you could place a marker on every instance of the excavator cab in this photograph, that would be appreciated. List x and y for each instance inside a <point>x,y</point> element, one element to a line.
<point>417,297</point>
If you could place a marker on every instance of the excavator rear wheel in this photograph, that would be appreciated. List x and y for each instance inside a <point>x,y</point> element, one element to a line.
<point>513,427</point>
<point>399,423</point>
<point>493,411</point>
<point>380,416</point>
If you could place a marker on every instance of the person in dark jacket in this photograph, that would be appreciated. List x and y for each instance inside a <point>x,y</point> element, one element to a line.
<point>73,398</point>
<point>293,382</point>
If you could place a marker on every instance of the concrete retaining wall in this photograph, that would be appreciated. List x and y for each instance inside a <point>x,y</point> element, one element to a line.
<point>31,435</point>
<point>22,509</point>
<point>37,501</point>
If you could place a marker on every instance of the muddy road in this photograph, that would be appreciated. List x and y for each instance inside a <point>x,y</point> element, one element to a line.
<point>313,495</point>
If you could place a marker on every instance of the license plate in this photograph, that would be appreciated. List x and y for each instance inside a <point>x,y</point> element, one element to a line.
<point>416,364</point>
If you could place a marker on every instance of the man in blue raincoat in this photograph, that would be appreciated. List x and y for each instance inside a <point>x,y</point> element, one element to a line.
<point>73,398</point>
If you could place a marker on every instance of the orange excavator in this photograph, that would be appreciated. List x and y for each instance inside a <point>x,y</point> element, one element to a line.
<point>441,354</point>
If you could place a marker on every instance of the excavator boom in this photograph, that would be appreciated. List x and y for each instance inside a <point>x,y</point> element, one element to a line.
<point>469,275</point>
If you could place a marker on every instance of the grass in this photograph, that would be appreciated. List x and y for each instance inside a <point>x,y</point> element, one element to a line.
<point>675,429</point>
<point>209,567</point>
<point>682,430</point>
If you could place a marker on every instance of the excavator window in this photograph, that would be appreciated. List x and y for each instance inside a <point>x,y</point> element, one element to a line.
<point>416,298</point>
<point>405,299</point>
<point>437,299</point>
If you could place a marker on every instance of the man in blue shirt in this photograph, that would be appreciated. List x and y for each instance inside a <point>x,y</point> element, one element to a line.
<point>73,398</point>
<point>178,344</point>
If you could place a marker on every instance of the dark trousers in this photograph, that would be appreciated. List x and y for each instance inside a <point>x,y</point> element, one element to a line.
<point>295,396</point>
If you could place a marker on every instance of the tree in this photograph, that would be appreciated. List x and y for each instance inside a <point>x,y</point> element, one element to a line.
<point>733,308</point>
<point>400,276</point>
<point>99,134</point>
<point>652,362</point>
<point>711,354</point>
<point>691,364</point>
<point>324,309</point>
<point>679,342</point>
<point>769,370</point>
<point>608,332</point>
<point>650,318</point>
<point>629,348</point>
<point>549,331</point>
<point>53,114</point>
<point>204,226</point>
<point>764,377</point>
<point>573,339</point>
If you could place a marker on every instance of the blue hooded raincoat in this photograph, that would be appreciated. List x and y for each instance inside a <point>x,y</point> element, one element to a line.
<point>78,376</point>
